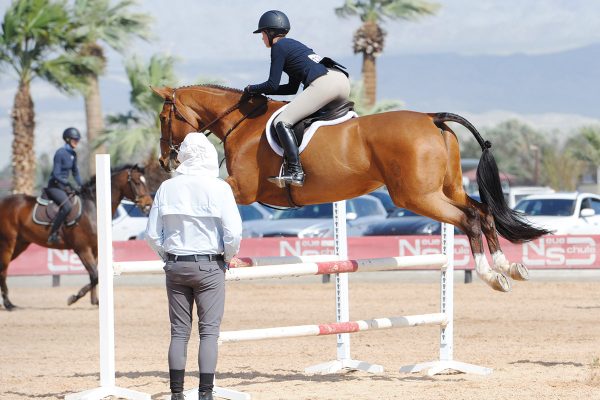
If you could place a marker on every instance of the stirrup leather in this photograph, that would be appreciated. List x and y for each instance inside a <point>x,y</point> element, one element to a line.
<point>278,180</point>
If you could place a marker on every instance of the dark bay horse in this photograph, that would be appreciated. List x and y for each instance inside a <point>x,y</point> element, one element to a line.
<point>18,231</point>
<point>416,155</point>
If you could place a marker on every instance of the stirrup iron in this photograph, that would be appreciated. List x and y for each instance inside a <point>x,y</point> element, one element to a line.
<point>278,180</point>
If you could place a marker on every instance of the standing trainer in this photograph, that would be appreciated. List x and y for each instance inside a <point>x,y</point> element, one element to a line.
<point>195,227</point>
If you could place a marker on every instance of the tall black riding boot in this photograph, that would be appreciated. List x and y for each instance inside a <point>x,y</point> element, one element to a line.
<point>57,223</point>
<point>293,173</point>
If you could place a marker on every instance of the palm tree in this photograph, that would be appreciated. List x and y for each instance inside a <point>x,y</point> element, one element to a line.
<point>133,136</point>
<point>36,41</point>
<point>369,38</point>
<point>585,147</point>
<point>114,25</point>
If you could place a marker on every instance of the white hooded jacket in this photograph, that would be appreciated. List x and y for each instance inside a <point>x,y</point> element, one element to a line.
<point>195,211</point>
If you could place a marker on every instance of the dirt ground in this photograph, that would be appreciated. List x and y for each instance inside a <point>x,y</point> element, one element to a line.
<point>542,340</point>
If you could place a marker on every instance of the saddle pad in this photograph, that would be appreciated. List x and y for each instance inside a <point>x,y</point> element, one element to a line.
<point>45,214</point>
<point>307,135</point>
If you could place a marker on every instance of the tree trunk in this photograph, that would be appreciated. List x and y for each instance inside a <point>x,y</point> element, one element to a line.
<point>94,121</point>
<point>23,154</point>
<point>369,73</point>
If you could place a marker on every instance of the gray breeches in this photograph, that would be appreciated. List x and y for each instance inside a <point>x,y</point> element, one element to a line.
<point>323,90</point>
<point>201,282</point>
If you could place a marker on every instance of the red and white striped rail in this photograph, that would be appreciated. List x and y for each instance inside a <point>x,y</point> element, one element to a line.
<point>332,328</point>
<point>303,269</point>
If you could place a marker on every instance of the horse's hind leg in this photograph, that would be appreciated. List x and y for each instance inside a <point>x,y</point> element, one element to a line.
<point>7,248</point>
<point>441,208</point>
<point>500,263</point>
<point>89,262</point>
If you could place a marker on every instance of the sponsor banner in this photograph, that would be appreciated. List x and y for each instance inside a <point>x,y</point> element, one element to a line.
<point>551,252</point>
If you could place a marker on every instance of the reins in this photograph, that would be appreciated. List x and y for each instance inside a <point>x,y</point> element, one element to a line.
<point>174,148</point>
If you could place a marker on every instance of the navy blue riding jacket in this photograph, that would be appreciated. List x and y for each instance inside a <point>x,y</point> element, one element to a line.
<point>299,62</point>
<point>65,161</point>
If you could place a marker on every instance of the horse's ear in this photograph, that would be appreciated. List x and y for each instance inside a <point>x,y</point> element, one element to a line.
<point>164,92</point>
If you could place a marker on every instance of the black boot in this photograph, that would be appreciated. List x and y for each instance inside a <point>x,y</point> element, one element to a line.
<point>56,224</point>
<point>293,174</point>
<point>205,395</point>
<point>176,377</point>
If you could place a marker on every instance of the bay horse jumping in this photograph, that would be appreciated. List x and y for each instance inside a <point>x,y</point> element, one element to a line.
<point>18,230</point>
<point>416,155</point>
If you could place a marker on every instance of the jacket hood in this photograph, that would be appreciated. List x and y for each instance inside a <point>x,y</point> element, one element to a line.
<point>197,156</point>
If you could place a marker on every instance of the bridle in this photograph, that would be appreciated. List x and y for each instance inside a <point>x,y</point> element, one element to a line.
<point>174,148</point>
<point>132,185</point>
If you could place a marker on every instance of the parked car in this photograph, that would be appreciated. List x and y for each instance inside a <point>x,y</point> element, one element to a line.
<point>254,211</point>
<point>385,198</point>
<point>516,193</point>
<point>129,222</point>
<point>317,220</point>
<point>405,222</point>
<point>564,213</point>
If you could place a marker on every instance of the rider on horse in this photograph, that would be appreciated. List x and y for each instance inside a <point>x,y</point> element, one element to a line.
<point>323,80</point>
<point>65,162</point>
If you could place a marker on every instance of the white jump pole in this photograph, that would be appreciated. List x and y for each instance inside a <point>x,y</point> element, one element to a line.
<point>342,310</point>
<point>105,288</point>
<point>446,361</point>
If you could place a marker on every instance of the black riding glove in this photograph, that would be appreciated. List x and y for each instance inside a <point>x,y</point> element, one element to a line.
<point>247,95</point>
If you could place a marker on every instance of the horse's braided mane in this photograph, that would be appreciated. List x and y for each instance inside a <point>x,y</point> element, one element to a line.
<point>214,86</point>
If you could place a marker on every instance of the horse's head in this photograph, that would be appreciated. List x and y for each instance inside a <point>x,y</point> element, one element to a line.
<point>131,183</point>
<point>176,121</point>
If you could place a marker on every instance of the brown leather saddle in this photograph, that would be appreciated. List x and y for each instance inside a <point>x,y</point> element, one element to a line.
<point>45,210</point>
<point>335,109</point>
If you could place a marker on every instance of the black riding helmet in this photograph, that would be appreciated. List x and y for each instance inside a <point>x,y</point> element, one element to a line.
<point>71,133</point>
<point>274,23</point>
<point>273,20</point>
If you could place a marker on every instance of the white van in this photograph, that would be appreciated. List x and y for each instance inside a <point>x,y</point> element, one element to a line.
<point>516,193</point>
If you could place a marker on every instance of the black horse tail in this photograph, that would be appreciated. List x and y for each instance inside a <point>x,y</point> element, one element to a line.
<point>509,223</point>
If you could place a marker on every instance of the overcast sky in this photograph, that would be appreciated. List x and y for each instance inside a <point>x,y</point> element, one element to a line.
<point>198,31</point>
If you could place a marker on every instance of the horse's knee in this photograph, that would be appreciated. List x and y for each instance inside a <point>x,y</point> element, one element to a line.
<point>94,279</point>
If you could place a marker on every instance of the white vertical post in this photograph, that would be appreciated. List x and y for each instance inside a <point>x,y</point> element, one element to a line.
<point>105,288</point>
<point>342,300</point>
<point>105,271</point>
<point>447,294</point>
<point>446,361</point>
<point>342,303</point>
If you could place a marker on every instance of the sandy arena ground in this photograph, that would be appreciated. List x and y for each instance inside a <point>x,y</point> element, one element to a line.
<point>542,340</point>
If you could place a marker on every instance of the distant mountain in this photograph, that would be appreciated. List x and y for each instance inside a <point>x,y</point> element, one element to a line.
<point>566,82</point>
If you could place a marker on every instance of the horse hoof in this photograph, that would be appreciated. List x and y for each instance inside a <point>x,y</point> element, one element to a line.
<point>72,299</point>
<point>519,272</point>
<point>501,283</point>
<point>9,306</point>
